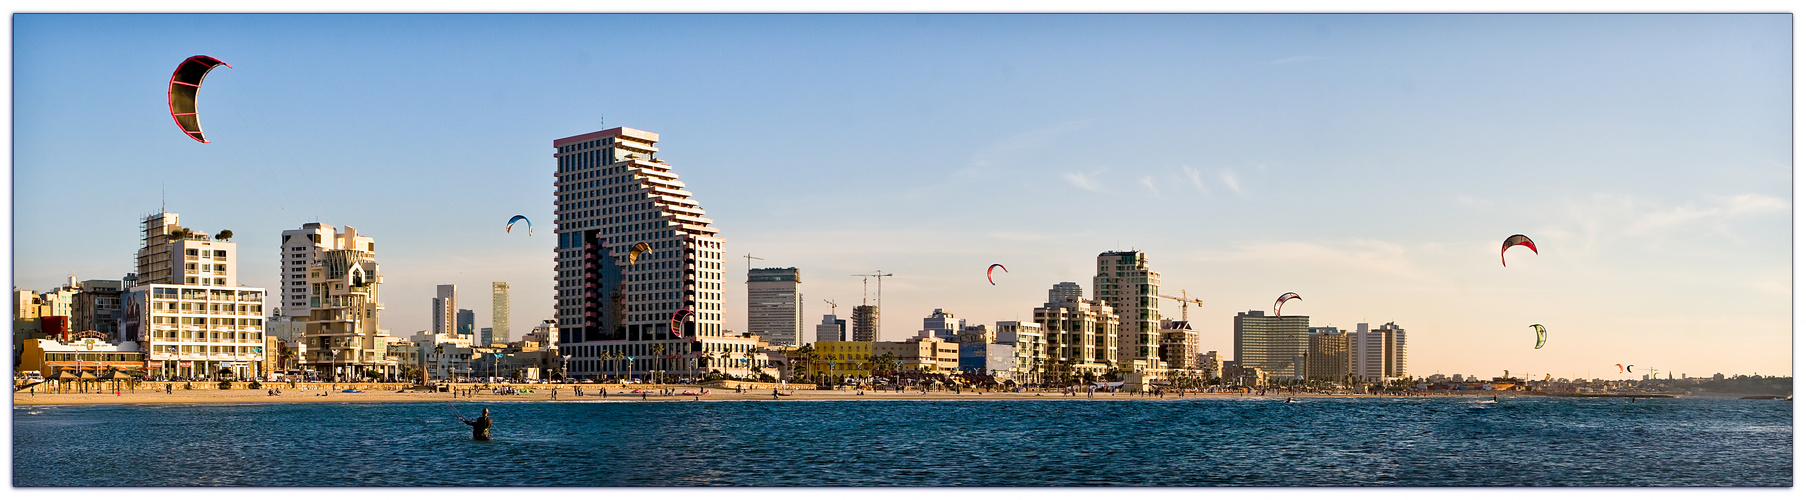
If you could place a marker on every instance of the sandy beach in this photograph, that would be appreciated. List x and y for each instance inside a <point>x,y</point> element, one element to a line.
<point>323,393</point>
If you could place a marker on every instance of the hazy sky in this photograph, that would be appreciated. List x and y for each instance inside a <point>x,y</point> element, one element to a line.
<point>1370,163</point>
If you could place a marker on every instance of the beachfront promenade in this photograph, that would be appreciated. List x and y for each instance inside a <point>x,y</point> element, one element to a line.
<point>154,393</point>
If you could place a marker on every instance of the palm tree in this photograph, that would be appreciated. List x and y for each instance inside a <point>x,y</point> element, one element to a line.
<point>750,354</point>
<point>808,355</point>
<point>657,351</point>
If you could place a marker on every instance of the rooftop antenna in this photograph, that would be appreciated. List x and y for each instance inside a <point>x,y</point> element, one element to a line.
<point>162,197</point>
<point>603,121</point>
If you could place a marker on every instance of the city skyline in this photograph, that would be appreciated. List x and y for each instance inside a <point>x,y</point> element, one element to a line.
<point>1369,163</point>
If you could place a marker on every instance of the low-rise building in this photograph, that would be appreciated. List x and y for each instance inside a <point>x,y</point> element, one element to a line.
<point>923,354</point>
<point>837,359</point>
<point>92,356</point>
<point>732,355</point>
<point>1211,364</point>
<point>998,360</point>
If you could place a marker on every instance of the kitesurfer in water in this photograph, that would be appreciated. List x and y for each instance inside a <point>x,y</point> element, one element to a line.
<point>479,428</point>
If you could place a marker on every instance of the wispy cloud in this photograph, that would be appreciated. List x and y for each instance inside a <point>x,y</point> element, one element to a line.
<point>1723,209</point>
<point>1005,150</point>
<point>1291,60</point>
<point>1148,180</point>
<point>1360,256</point>
<point>1196,178</point>
<point>1084,181</point>
<point>1234,183</point>
<point>1605,219</point>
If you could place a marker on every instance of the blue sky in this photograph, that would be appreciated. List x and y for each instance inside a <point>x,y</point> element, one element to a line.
<point>1370,163</point>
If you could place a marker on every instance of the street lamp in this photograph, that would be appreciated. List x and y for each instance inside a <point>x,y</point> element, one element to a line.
<point>335,363</point>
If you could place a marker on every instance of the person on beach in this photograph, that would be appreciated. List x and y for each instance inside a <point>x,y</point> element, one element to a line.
<point>479,428</point>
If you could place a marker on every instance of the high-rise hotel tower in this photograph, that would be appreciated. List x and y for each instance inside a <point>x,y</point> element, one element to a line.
<point>612,196</point>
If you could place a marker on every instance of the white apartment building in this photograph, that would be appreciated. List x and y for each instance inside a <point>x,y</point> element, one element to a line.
<point>943,325</point>
<point>302,248</point>
<point>774,308</point>
<point>189,321</point>
<point>1379,354</point>
<point>1130,288</point>
<point>633,250</point>
<point>1030,344</point>
<point>1081,335</point>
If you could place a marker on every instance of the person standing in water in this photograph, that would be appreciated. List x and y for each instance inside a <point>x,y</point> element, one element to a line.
<point>479,428</point>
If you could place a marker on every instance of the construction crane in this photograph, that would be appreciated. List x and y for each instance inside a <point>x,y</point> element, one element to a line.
<point>749,259</point>
<point>875,274</point>
<point>880,274</point>
<point>1185,302</point>
<point>831,305</point>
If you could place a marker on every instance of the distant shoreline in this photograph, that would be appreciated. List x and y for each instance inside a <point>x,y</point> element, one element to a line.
<point>593,393</point>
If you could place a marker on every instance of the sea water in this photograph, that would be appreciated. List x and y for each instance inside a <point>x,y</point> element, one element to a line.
<point>1112,441</point>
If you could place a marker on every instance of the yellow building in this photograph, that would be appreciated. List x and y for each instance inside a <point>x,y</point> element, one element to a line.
<point>842,358</point>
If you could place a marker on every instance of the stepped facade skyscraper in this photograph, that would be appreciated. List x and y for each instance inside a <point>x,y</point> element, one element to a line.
<point>633,250</point>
